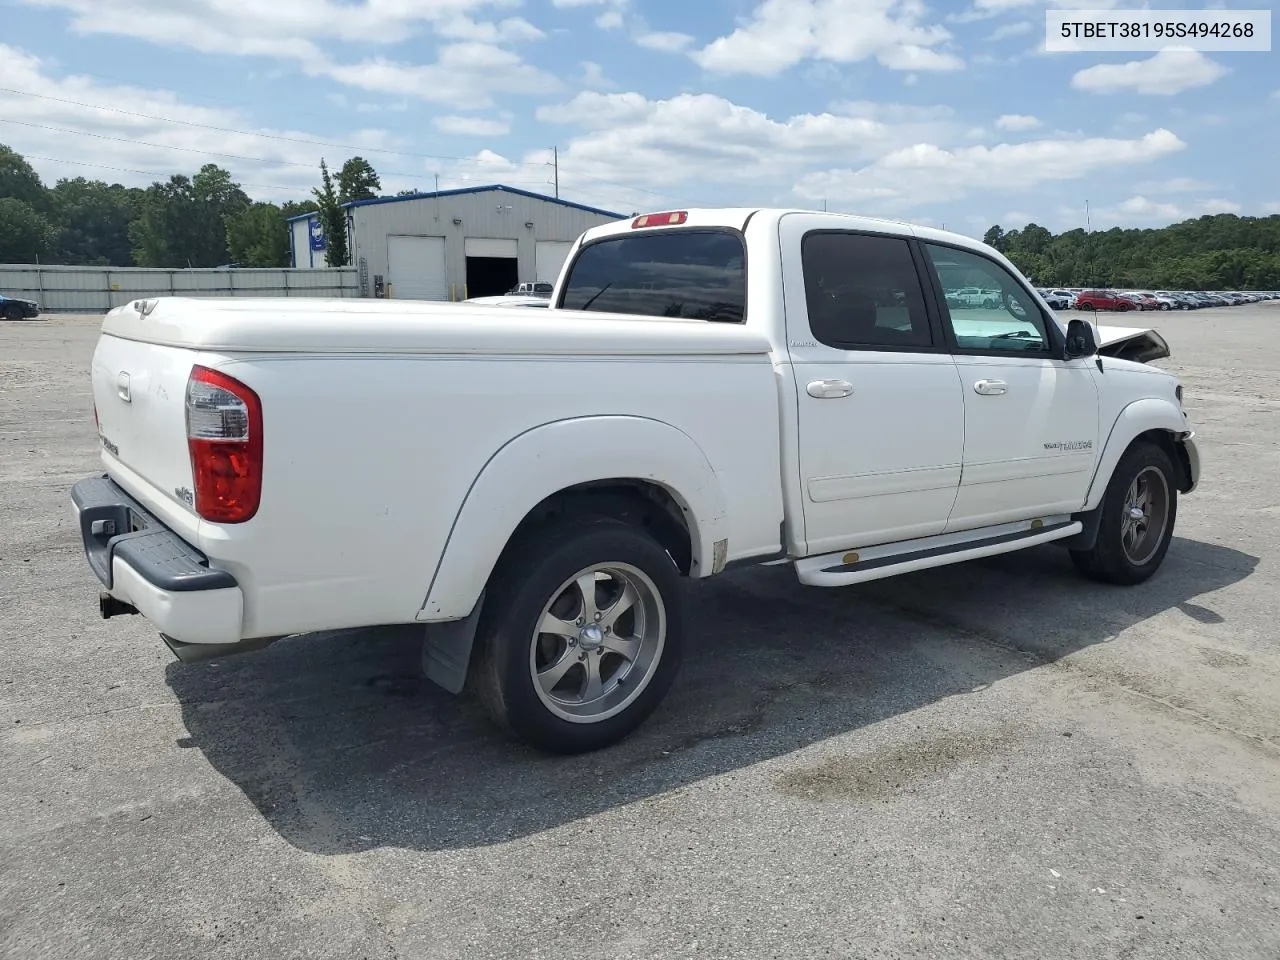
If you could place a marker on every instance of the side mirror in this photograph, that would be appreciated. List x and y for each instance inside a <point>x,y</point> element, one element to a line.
<point>1013,305</point>
<point>1080,339</point>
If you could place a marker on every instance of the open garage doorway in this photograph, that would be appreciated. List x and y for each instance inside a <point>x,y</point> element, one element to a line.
<point>492,267</point>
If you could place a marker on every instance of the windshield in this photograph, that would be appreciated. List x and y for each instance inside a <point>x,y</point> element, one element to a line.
<point>699,274</point>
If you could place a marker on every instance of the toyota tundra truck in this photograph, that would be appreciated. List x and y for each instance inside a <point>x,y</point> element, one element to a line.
<point>532,497</point>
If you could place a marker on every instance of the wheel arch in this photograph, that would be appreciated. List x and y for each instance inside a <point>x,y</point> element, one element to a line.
<point>1151,420</point>
<point>634,468</point>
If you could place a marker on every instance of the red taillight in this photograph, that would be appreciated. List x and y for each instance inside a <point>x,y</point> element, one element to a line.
<point>224,437</point>
<point>669,219</point>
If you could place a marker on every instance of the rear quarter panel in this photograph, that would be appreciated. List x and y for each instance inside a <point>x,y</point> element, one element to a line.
<point>368,460</point>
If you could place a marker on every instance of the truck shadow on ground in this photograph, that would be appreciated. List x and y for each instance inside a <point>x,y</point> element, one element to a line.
<point>342,746</point>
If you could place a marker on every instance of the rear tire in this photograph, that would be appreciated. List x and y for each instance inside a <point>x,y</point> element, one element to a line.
<point>12,311</point>
<point>1129,548</point>
<point>581,636</point>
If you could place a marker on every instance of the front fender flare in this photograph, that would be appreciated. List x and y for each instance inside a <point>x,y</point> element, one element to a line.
<point>1137,418</point>
<point>553,457</point>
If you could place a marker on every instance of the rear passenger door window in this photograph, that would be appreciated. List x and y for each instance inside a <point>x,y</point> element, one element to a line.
<point>863,292</point>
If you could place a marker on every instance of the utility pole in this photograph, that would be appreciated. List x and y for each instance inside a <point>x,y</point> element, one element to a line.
<point>555,163</point>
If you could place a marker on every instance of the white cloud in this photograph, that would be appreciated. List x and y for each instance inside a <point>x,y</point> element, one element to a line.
<point>287,28</point>
<point>593,77</point>
<point>1170,71</point>
<point>1011,30</point>
<point>1140,209</point>
<point>1175,185</point>
<point>711,147</point>
<point>1271,208</point>
<point>1017,121</point>
<point>610,20</point>
<point>510,30</point>
<point>926,173</point>
<point>74,126</point>
<point>666,41</point>
<point>465,75</point>
<point>781,33</point>
<point>471,126</point>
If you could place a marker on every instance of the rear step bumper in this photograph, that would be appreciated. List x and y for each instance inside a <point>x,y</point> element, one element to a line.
<point>148,569</point>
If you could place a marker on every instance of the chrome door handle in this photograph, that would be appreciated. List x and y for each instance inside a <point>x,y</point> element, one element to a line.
<point>991,388</point>
<point>829,389</point>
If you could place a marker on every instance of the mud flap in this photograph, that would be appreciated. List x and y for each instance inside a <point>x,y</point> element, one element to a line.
<point>446,651</point>
<point>1088,536</point>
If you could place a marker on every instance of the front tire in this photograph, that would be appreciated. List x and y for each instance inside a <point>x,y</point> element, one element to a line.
<point>12,311</point>
<point>1138,514</point>
<point>582,635</point>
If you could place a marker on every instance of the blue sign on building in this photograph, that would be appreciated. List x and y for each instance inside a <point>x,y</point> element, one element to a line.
<point>317,235</point>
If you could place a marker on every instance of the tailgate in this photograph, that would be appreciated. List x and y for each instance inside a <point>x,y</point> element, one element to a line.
<point>139,390</point>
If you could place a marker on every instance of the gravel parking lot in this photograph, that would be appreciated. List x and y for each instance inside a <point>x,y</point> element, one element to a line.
<point>998,759</point>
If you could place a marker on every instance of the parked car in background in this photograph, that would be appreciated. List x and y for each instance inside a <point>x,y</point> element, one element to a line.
<point>538,289</point>
<point>1156,301</point>
<point>1140,301</point>
<point>973,297</point>
<point>1057,299</point>
<point>1179,301</point>
<point>1104,300</point>
<point>14,308</point>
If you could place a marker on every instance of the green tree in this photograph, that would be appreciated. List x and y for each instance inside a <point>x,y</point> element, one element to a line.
<point>357,180</point>
<point>93,221</point>
<point>19,180</point>
<point>1212,252</point>
<point>25,235</point>
<point>258,236</point>
<point>183,223</point>
<point>993,237</point>
<point>332,220</point>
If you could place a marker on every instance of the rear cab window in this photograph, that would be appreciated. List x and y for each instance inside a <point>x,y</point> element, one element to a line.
<point>695,273</point>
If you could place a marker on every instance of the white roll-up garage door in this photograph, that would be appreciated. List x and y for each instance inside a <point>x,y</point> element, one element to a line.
<point>485,247</point>
<point>548,258</point>
<point>415,268</point>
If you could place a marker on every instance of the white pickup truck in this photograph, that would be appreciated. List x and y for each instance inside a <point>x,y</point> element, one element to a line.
<point>525,490</point>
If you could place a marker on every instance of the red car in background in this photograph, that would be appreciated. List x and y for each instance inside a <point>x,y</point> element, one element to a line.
<point>1103,300</point>
<point>1145,301</point>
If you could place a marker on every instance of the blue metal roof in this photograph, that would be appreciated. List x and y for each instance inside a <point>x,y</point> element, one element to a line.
<point>465,190</point>
<point>303,216</point>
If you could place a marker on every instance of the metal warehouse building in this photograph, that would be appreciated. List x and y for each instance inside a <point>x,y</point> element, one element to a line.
<point>452,244</point>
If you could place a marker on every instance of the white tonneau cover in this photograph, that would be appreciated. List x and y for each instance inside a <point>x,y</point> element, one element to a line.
<point>279,325</point>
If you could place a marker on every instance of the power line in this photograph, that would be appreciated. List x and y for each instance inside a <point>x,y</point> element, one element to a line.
<point>145,173</point>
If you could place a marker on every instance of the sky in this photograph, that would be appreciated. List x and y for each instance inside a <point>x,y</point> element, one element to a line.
<point>945,113</point>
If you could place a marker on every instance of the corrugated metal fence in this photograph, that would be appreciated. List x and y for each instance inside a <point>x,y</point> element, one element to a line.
<point>98,289</point>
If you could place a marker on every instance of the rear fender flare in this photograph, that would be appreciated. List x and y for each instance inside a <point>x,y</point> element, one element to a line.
<point>1137,418</point>
<point>554,457</point>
